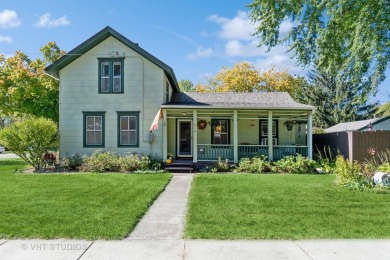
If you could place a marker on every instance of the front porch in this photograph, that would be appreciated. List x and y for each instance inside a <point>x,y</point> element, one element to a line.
<point>204,134</point>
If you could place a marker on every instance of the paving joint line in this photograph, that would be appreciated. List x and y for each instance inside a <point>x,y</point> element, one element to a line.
<point>3,242</point>
<point>295,242</point>
<point>86,250</point>
<point>184,250</point>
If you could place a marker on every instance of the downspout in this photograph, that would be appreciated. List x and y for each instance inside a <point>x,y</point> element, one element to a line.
<point>143,92</point>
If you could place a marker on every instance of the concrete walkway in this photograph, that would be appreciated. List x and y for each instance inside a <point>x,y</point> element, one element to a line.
<point>165,219</point>
<point>194,249</point>
<point>159,236</point>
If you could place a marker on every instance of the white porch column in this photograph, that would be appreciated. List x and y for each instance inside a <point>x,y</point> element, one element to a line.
<point>235,136</point>
<point>309,136</point>
<point>270,145</point>
<point>195,135</point>
<point>165,135</point>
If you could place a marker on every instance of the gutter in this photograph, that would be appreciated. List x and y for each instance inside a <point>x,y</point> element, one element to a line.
<point>236,108</point>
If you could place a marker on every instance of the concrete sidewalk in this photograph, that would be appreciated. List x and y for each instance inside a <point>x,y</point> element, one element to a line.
<point>194,249</point>
<point>165,219</point>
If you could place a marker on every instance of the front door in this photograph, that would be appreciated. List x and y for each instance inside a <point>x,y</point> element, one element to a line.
<point>184,138</point>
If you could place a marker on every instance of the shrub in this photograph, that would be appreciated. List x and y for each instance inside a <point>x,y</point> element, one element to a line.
<point>294,164</point>
<point>384,167</point>
<point>101,162</point>
<point>31,139</point>
<point>110,162</point>
<point>72,162</point>
<point>254,165</point>
<point>326,160</point>
<point>221,165</point>
<point>130,163</point>
<point>349,173</point>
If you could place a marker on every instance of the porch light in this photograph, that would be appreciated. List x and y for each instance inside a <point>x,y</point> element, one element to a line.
<point>252,123</point>
<point>289,125</point>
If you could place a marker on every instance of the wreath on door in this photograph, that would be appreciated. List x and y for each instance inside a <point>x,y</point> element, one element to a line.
<point>202,124</point>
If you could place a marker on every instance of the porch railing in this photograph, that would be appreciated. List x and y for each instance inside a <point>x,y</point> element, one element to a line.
<point>250,151</point>
<point>214,151</point>
<point>281,151</point>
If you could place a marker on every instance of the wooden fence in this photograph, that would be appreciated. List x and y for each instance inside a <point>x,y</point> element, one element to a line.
<point>353,145</point>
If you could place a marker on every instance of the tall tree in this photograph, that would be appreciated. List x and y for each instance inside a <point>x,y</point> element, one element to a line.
<point>336,99</point>
<point>384,110</point>
<point>350,38</point>
<point>186,85</point>
<point>245,77</point>
<point>25,89</point>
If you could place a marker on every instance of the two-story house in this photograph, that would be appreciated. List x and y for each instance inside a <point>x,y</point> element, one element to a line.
<point>115,96</point>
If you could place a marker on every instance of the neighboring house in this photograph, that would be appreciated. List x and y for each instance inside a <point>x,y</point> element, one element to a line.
<point>375,124</point>
<point>115,96</point>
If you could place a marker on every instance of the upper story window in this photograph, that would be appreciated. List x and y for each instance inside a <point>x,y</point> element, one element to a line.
<point>111,75</point>
<point>167,92</point>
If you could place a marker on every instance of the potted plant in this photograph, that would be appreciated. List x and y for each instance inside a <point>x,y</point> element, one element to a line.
<point>169,158</point>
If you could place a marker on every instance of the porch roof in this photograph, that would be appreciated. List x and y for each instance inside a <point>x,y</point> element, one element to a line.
<point>259,100</point>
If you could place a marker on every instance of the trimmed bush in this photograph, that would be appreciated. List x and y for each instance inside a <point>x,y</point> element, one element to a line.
<point>31,139</point>
<point>110,162</point>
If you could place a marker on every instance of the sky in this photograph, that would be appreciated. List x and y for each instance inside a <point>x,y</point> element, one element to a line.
<point>195,38</point>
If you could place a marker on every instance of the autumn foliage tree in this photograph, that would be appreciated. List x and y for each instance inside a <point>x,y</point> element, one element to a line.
<point>25,89</point>
<point>245,77</point>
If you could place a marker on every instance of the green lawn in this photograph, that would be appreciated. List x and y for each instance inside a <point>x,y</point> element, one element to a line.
<point>283,207</point>
<point>83,206</point>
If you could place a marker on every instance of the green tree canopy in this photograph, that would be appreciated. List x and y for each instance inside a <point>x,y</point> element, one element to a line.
<point>186,85</point>
<point>347,37</point>
<point>384,110</point>
<point>336,99</point>
<point>25,89</point>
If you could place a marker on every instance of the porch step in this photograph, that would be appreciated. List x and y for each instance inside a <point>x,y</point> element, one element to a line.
<point>180,166</point>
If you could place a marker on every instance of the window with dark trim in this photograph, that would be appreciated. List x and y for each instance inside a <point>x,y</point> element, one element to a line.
<point>167,92</point>
<point>93,129</point>
<point>263,132</point>
<point>220,131</point>
<point>111,75</point>
<point>128,129</point>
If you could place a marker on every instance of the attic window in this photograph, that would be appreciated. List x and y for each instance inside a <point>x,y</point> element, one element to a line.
<point>111,75</point>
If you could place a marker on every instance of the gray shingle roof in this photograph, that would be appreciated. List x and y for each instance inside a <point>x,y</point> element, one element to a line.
<point>354,125</point>
<point>259,100</point>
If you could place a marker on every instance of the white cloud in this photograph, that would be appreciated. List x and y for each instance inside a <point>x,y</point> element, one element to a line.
<point>285,27</point>
<point>9,19</point>
<point>235,35</point>
<point>237,28</point>
<point>45,21</point>
<point>278,57</point>
<point>5,39</point>
<point>236,48</point>
<point>201,52</point>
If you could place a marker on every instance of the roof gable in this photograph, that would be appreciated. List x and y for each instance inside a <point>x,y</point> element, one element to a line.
<point>99,37</point>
